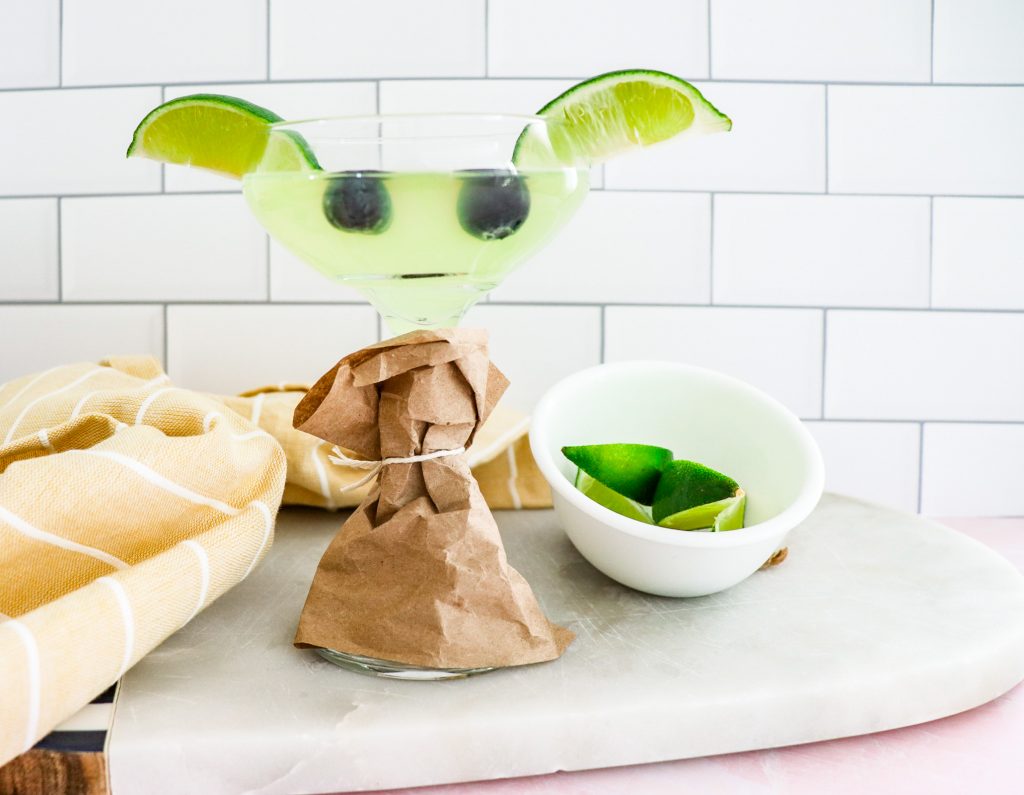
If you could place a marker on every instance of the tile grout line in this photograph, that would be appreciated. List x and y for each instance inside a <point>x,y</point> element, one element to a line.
<point>824,357</point>
<point>826,138</point>
<point>167,365</point>
<point>518,78</point>
<point>60,253</point>
<point>604,310</point>
<point>266,250</point>
<point>931,251</point>
<point>487,38</point>
<point>541,303</point>
<point>921,465</point>
<point>931,56</point>
<point>709,40</point>
<point>60,44</point>
<point>681,191</point>
<point>267,40</point>
<point>711,252</point>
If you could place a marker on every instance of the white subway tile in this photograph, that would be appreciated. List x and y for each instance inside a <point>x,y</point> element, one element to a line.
<point>924,365</point>
<point>821,250</point>
<point>65,334</point>
<point>29,43</point>
<point>537,346</point>
<point>870,40</point>
<point>928,139</point>
<point>74,141</point>
<point>874,461</point>
<point>229,349</point>
<point>287,100</point>
<point>116,41</point>
<point>977,261</point>
<point>28,250</point>
<point>291,279</point>
<point>973,470</point>
<point>162,248</point>
<point>468,96</point>
<point>631,247</point>
<point>580,38</point>
<point>979,41</point>
<point>777,143</point>
<point>777,350</point>
<point>386,38</point>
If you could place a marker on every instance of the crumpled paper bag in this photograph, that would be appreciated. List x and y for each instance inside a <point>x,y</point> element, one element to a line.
<point>418,574</point>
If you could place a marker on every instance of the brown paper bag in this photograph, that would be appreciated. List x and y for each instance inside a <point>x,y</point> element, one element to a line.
<point>418,574</point>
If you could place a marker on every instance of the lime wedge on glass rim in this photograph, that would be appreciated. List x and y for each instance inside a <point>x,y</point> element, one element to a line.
<point>618,111</point>
<point>220,133</point>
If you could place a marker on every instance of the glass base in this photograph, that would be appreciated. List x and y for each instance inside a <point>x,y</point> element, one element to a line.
<point>371,666</point>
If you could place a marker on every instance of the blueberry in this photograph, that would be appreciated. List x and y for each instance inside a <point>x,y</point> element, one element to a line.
<point>493,204</point>
<point>358,201</point>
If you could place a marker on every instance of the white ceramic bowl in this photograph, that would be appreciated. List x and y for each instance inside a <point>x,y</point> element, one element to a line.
<point>700,415</point>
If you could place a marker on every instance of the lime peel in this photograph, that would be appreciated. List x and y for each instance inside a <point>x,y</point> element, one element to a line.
<point>632,470</point>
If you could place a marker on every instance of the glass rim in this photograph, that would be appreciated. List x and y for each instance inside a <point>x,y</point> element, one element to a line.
<point>512,120</point>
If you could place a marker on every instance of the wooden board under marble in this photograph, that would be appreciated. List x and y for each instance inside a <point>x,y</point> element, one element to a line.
<point>876,620</point>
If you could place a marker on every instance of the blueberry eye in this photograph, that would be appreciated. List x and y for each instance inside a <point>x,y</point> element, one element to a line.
<point>492,204</point>
<point>358,202</point>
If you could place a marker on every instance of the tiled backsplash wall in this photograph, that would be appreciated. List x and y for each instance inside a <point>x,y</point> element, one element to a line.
<point>855,246</point>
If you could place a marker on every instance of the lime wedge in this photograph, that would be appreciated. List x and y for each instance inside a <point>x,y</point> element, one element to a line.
<point>611,500</point>
<point>614,112</point>
<point>632,470</point>
<point>686,485</point>
<point>724,514</point>
<point>220,133</point>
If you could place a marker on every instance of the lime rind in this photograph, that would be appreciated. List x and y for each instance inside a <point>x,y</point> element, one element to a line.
<point>632,470</point>
<point>687,484</point>
<point>228,135</point>
<point>617,111</point>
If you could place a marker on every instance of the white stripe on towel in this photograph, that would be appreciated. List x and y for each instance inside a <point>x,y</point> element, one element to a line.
<point>204,575</point>
<point>160,481</point>
<point>513,473</point>
<point>36,534</point>
<point>126,616</point>
<point>65,388</point>
<point>268,523</point>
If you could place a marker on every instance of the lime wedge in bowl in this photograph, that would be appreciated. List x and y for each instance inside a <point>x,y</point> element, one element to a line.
<point>632,470</point>
<point>610,499</point>
<point>691,496</point>
<point>612,113</point>
<point>220,133</point>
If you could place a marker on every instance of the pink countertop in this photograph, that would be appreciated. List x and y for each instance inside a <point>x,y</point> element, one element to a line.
<point>979,751</point>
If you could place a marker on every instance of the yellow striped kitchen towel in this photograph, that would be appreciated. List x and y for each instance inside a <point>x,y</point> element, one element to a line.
<point>127,504</point>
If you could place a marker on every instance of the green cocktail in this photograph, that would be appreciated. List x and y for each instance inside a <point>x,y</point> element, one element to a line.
<point>421,246</point>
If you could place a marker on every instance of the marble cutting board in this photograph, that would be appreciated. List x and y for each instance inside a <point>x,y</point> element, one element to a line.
<point>876,620</point>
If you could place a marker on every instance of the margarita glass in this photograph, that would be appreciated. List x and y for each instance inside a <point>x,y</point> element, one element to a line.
<point>423,214</point>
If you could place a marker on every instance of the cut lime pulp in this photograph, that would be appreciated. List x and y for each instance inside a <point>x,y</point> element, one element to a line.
<point>611,500</point>
<point>220,133</point>
<point>614,112</point>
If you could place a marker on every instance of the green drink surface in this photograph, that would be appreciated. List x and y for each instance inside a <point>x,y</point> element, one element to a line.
<point>422,246</point>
